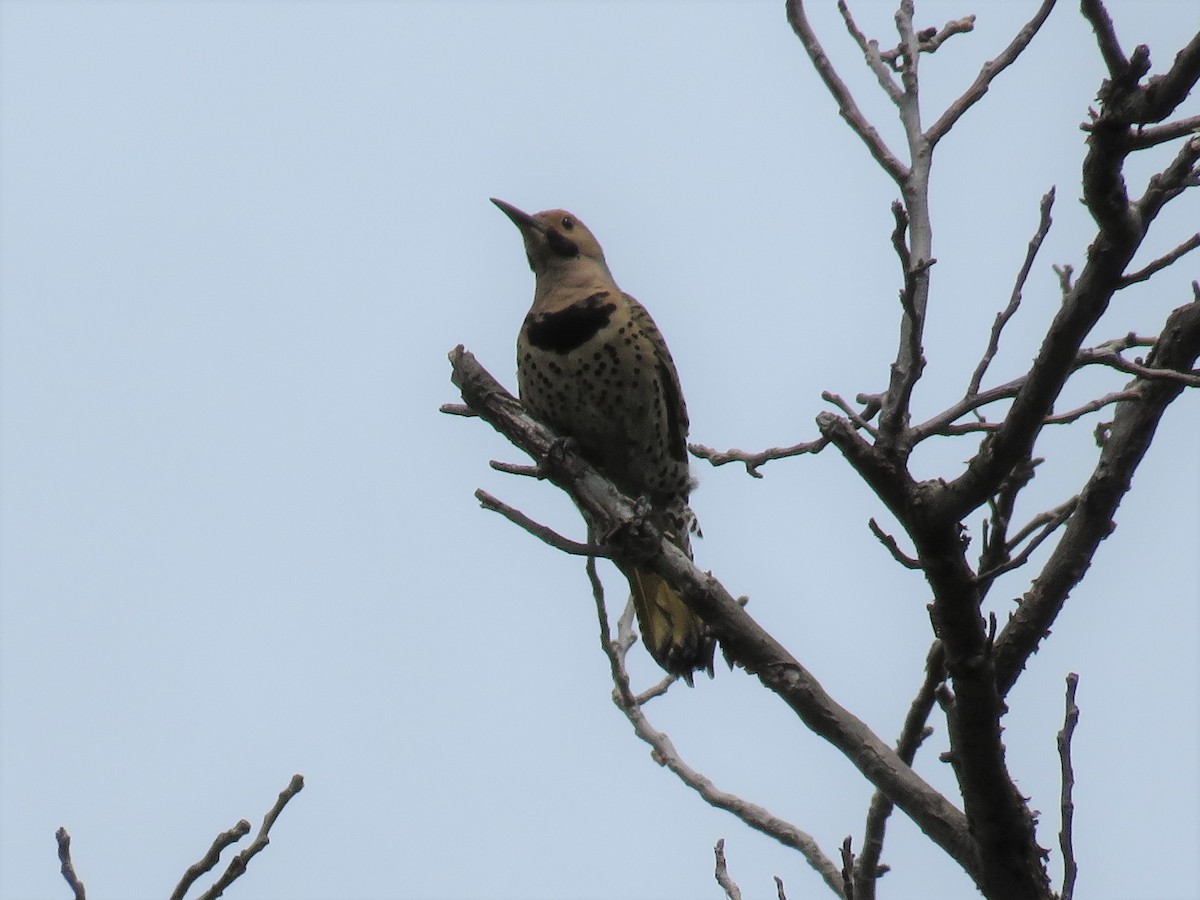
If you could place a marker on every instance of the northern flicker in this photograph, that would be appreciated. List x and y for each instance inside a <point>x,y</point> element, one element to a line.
<point>592,365</point>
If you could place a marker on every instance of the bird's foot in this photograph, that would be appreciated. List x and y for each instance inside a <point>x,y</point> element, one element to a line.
<point>559,448</point>
<point>634,532</point>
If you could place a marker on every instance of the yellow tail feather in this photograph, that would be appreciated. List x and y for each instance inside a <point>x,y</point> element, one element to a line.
<point>675,636</point>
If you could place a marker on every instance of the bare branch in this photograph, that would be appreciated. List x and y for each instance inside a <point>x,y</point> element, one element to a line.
<point>1164,93</point>
<point>1132,430</point>
<point>1014,301</point>
<point>1040,520</point>
<point>237,865</point>
<point>539,531</point>
<point>847,869</point>
<point>1171,182</point>
<point>210,858</point>
<point>870,51</point>
<point>910,361</point>
<point>1121,232</point>
<point>67,867</point>
<point>867,869</point>
<point>656,690</point>
<point>988,73</point>
<point>857,419</point>
<point>1154,135</point>
<point>890,543</point>
<point>456,409</point>
<point>1067,803</point>
<point>1049,524</point>
<point>1106,37</point>
<point>779,892</point>
<point>849,110</point>
<point>728,885</point>
<point>515,469</point>
<point>1161,263</point>
<point>752,461</point>
<point>1113,360</point>
<point>929,39</point>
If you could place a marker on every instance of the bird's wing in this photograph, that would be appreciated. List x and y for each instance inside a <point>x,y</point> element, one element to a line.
<point>676,408</point>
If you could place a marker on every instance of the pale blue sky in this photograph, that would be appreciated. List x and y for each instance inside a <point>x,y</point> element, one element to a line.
<point>237,241</point>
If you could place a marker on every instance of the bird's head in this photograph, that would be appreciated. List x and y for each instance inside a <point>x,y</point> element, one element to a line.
<point>553,238</point>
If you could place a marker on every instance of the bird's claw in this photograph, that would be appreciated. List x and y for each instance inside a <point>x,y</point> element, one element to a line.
<point>635,530</point>
<point>559,448</point>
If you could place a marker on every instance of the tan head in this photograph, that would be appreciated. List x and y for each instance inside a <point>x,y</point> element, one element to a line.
<point>554,239</point>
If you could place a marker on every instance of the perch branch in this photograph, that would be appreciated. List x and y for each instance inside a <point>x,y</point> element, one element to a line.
<point>742,639</point>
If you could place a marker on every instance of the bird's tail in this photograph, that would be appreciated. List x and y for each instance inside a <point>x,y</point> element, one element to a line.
<point>675,636</point>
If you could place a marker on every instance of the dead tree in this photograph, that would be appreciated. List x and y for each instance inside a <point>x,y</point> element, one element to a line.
<point>974,660</point>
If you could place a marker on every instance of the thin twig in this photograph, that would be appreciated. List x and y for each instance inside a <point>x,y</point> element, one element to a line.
<point>890,543</point>
<point>1065,835</point>
<point>237,865</point>
<point>521,469</point>
<point>664,752</point>
<point>538,530</point>
<point>752,461</point>
<point>210,858</point>
<point>1062,418</point>
<point>1014,300</point>
<point>780,894</point>
<point>1161,263</point>
<point>1102,357</point>
<point>655,690</point>
<point>1041,519</point>
<point>988,73</point>
<point>67,867</point>
<point>1056,518</point>
<point>1092,406</point>
<point>867,868</point>
<point>857,419</point>
<point>728,885</point>
<point>848,108</point>
<point>929,39</point>
<point>847,869</point>
<point>871,53</point>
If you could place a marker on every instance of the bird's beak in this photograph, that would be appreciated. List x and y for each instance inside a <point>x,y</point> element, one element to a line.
<point>520,218</point>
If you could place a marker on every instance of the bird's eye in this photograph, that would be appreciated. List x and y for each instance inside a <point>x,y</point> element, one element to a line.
<point>568,223</point>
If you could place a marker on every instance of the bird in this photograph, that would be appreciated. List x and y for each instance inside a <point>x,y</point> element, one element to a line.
<point>593,366</point>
